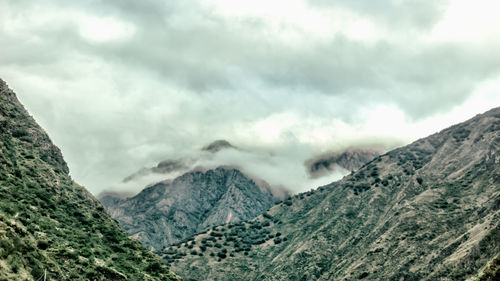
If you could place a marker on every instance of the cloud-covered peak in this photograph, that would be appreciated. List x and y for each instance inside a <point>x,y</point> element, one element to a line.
<point>218,145</point>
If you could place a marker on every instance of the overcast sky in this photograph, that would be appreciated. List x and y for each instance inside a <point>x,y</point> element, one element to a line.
<point>123,84</point>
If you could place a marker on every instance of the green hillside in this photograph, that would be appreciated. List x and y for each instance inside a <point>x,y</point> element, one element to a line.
<point>48,223</point>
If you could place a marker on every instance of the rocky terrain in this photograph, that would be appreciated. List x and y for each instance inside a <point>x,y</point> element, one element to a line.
<point>49,225</point>
<point>348,160</point>
<point>426,211</point>
<point>170,211</point>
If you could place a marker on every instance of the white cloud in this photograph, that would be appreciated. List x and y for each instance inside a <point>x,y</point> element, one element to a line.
<point>104,29</point>
<point>125,84</point>
<point>471,22</point>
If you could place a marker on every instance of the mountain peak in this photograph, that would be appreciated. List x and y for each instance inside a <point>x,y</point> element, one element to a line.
<point>168,212</point>
<point>218,145</point>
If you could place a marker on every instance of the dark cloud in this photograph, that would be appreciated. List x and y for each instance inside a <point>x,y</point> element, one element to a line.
<point>125,84</point>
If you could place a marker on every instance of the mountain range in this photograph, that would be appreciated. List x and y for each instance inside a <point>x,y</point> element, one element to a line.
<point>426,211</point>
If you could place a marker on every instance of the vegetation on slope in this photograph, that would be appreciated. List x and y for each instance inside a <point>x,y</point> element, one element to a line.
<point>492,270</point>
<point>49,224</point>
<point>427,211</point>
<point>168,212</point>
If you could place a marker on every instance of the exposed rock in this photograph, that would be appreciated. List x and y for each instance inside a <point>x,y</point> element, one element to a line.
<point>168,212</point>
<point>426,211</point>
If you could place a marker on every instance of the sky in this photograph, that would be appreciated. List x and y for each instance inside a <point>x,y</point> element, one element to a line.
<point>123,84</point>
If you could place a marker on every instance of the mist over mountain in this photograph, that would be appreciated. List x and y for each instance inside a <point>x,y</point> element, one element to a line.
<point>165,167</point>
<point>170,168</point>
<point>190,119</point>
<point>347,160</point>
<point>426,211</point>
<point>170,211</point>
<point>218,145</point>
<point>267,165</point>
<point>50,227</point>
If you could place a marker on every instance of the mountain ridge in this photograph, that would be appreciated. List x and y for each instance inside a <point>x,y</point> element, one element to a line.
<point>426,211</point>
<point>170,211</point>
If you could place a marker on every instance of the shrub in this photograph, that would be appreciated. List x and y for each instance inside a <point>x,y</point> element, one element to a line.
<point>42,244</point>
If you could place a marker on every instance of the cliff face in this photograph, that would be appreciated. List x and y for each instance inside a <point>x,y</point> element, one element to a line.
<point>168,212</point>
<point>48,223</point>
<point>426,211</point>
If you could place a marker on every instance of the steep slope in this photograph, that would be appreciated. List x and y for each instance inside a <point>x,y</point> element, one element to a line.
<point>426,211</point>
<point>169,212</point>
<point>50,225</point>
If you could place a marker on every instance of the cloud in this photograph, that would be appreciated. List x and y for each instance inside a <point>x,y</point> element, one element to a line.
<point>121,85</point>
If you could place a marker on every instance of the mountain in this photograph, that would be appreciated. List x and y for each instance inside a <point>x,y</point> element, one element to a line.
<point>171,167</point>
<point>163,168</point>
<point>426,211</point>
<point>218,145</point>
<point>348,160</point>
<point>49,225</point>
<point>170,211</point>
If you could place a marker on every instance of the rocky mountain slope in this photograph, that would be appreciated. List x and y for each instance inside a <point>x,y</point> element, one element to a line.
<point>168,212</point>
<point>49,225</point>
<point>426,211</point>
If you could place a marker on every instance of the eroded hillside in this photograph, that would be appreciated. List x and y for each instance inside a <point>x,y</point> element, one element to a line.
<point>426,211</point>
<point>168,212</point>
